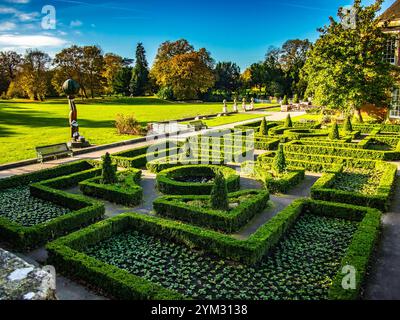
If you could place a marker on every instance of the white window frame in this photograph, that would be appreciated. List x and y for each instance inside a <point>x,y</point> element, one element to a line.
<point>395,104</point>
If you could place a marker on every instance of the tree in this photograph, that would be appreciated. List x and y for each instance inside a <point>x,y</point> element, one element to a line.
<point>113,64</point>
<point>279,163</point>
<point>263,128</point>
<point>92,65</point>
<point>227,76</point>
<point>219,193</point>
<point>288,122</point>
<point>121,83</point>
<point>346,68</point>
<point>186,71</point>
<point>9,64</point>
<point>285,101</point>
<point>334,134</point>
<point>140,73</point>
<point>296,98</point>
<point>348,127</point>
<point>33,74</point>
<point>108,173</point>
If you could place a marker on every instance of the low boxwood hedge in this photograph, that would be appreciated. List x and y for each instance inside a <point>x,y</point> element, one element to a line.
<point>167,184</point>
<point>322,189</point>
<point>84,211</point>
<point>126,191</point>
<point>226,221</point>
<point>66,253</point>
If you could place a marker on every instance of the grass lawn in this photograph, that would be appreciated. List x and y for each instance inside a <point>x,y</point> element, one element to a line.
<point>25,125</point>
<point>218,121</point>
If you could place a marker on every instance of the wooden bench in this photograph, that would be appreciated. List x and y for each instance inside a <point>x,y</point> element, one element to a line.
<point>197,125</point>
<point>53,151</point>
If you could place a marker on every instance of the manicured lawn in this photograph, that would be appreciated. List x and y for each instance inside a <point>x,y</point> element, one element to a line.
<point>218,121</point>
<point>25,124</point>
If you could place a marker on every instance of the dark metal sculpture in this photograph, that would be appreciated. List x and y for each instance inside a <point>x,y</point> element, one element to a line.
<point>71,88</point>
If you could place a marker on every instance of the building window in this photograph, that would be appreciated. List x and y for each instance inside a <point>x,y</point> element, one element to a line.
<point>390,53</point>
<point>395,104</point>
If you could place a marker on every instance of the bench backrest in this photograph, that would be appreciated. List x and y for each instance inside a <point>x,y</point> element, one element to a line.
<point>196,123</point>
<point>52,149</point>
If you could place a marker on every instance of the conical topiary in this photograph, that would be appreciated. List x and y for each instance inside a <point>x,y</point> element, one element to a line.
<point>285,101</point>
<point>288,122</point>
<point>296,98</point>
<point>334,134</point>
<point>108,172</point>
<point>263,128</point>
<point>219,193</point>
<point>279,163</point>
<point>348,127</point>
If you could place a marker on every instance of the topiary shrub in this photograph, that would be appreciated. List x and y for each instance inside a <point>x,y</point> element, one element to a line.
<point>334,134</point>
<point>296,98</point>
<point>219,193</point>
<point>285,101</point>
<point>263,128</point>
<point>127,124</point>
<point>348,127</point>
<point>108,173</point>
<point>288,122</point>
<point>279,164</point>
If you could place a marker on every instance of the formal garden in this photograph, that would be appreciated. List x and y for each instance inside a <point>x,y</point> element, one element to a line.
<point>213,231</point>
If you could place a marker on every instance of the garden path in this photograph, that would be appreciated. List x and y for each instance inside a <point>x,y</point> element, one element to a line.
<point>384,276</point>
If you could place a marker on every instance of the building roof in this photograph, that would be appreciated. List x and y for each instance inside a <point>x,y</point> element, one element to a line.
<point>392,13</point>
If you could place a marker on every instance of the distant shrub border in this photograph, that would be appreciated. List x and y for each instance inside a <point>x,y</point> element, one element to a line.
<point>130,194</point>
<point>174,207</point>
<point>85,211</point>
<point>322,190</point>
<point>66,253</point>
<point>167,185</point>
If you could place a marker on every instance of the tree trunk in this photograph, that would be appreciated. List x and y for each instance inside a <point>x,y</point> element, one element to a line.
<point>359,116</point>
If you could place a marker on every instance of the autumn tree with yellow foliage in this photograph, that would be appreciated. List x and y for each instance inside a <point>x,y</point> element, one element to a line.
<point>182,69</point>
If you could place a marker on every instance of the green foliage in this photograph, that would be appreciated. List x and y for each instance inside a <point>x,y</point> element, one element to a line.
<point>219,193</point>
<point>108,173</point>
<point>285,100</point>
<point>175,180</point>
<point>263,131</point>
<point>288,122</point>
<point>345,68</point>
<point>334,133</point>
<point>128,124</point>
<point>198,211</point>
<point>348,126</point>
<point>166,93</point>
<point>140,73</point>
<point>122,81</point>
<point>279,164</point>
<point>296,98</point>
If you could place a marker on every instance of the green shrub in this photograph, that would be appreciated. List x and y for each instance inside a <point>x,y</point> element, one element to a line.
<point>108,173</point>
<point>279,164</point>
<point>296,98</point>
<point>219,193</point>
<point>288,122</point>
<point>127,124</point>
<point>285,100</point>
<point>334,133</point>
<point>263,132</point>
<point>347,125</point>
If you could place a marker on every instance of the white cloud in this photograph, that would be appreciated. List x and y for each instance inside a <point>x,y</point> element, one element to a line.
<point>26,16</point>
<point>30,41</point>
<point>7,10</point>
<point>7,26</point>
<point>19,1</point>
<point>76,23</point>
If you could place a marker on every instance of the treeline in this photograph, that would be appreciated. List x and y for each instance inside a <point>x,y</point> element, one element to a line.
<point>179,72</point>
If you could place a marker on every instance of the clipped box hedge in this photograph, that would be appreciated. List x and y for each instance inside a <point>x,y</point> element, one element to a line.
<point>84,211</point>
<point>322,189</point>
<point>226,221</point>
<point>167,185</point>
<point>129,193</point>
<point>304,148</point>
<point>66,253</point>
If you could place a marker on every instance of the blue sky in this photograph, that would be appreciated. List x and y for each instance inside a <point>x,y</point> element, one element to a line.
<point>235,30</point>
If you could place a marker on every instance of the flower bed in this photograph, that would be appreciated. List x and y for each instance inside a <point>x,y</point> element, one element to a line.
<point>196,209</point>
<point>167,180</point>
<point>126,191</point>
<point>372,188</point>
<point>45,212</point>
<point>309,242</point>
